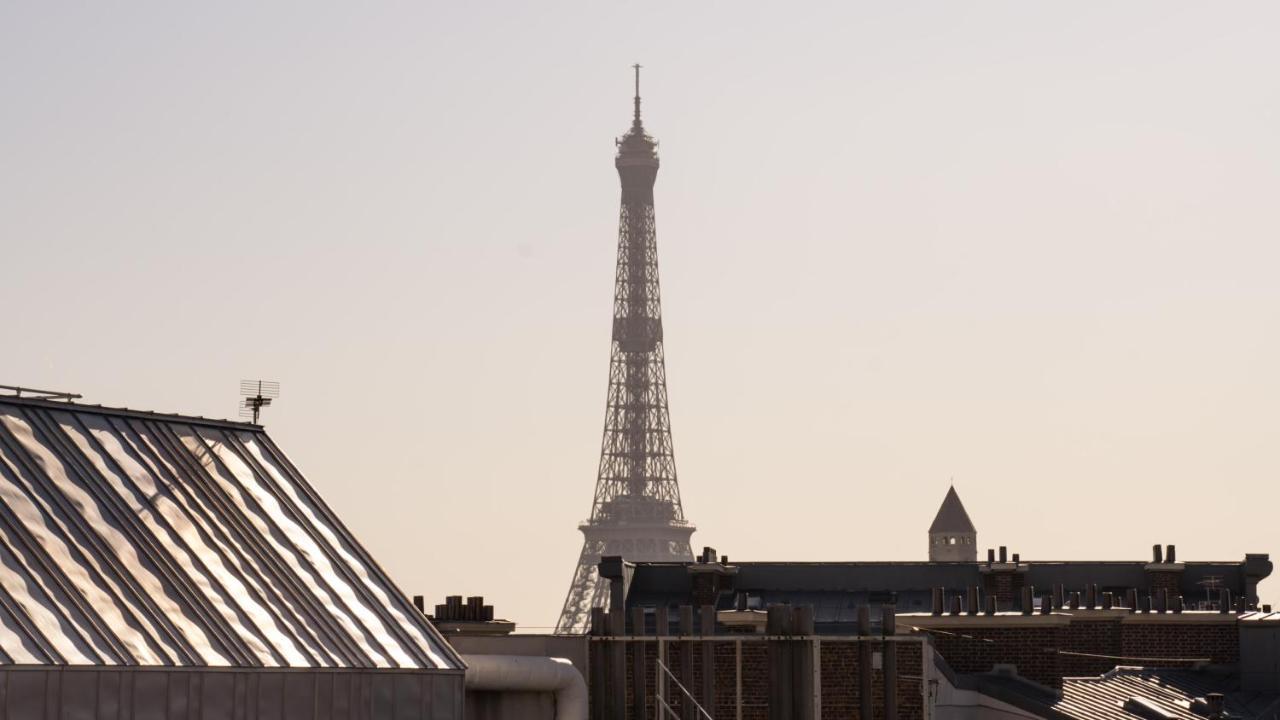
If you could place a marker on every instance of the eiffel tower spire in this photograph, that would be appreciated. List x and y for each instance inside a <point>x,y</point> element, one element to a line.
<point>636,512</point>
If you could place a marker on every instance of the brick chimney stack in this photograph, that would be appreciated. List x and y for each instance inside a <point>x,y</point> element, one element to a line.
<point>711,575</point>
<point>1002,578</point>
<point>1164,572</point>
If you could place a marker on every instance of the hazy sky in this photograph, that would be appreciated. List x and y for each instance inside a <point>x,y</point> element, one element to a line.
<point>1030,245</point>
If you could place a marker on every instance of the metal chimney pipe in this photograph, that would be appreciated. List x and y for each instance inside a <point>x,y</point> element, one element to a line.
<point>1217,704</point>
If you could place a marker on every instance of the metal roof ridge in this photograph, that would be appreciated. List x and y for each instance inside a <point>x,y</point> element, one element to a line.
<point>69,406</point>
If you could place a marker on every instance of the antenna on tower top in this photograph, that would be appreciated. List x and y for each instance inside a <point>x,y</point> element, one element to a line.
<point>637,68</point>
<point>257,394</point>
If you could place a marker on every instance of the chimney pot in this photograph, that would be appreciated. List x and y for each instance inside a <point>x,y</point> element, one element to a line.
<point>955,604</point>
<point>991,555</point>
<point>420,603</point>
<point>1107,601</point>
<point>1016,558</point>
<point>1170,554</point>
<point>1046,606</point>
<point>937,601</point>
<point>1155,554</point>
<point>971,602</point>
<point>1027,594</point>
<point>991,604</point>
<point>889,619</point>
<point>1004,554</point>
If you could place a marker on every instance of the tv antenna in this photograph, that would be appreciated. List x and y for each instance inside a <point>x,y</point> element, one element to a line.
<point>1210,583</point>
<point>257,394</point>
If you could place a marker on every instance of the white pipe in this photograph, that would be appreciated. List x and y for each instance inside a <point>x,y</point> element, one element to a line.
<point>531,673</point>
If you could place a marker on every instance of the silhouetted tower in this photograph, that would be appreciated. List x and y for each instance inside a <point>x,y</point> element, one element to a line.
<point>952,536</point>
<point>636,512</point>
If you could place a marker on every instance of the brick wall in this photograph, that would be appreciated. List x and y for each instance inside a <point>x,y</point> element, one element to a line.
<point>980,649</point>
<point>1220,642</point>
<point>839,666</point>
<point>706,589</point>
<point>841,691</point>
<point>1093,636</point>
<point>1169,580</point>
<point>1085,644</point>
<point>1005,586</point>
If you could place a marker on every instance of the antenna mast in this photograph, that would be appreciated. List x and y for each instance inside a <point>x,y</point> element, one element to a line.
<point>257,394</point>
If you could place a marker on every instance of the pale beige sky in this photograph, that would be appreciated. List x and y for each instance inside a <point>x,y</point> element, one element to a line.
<point>1032,246</point>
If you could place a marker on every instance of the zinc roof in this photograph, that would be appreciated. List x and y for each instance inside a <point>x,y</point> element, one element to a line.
<point>1173,691</point>
<point>132,538</point>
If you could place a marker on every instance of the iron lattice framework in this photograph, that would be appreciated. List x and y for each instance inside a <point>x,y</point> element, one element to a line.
<point>636,512</point>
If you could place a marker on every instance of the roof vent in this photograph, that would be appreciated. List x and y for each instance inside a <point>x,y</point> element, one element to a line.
<point>1144,708</point>
<point>1212,705</point>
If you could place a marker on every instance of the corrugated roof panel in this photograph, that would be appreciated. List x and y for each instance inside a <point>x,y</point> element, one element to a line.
<point>140,539</point>
<point>1173,691</point>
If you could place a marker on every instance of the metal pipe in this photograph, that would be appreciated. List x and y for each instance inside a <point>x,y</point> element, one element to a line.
<point>520,673</point>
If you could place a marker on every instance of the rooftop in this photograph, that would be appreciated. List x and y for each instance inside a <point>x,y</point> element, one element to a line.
<point>140,538</point>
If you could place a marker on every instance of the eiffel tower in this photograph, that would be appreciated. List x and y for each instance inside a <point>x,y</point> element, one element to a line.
<point>636,512</point>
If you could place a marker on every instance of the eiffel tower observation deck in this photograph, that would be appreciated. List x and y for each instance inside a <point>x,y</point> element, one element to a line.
<point>636,512</point>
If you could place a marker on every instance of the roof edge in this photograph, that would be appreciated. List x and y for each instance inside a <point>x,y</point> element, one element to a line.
<point>68,406</point>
